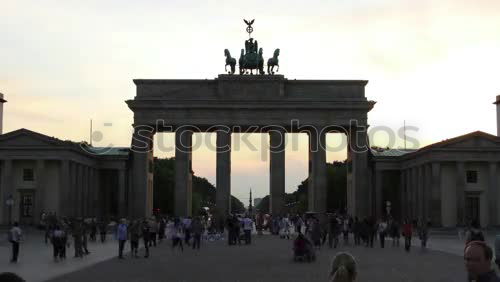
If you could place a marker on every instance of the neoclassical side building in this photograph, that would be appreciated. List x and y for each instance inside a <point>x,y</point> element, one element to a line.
<point>44,174</point>
<point>448,183</point>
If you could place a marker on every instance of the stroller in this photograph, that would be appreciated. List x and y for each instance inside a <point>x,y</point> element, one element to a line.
<point>303,249</point>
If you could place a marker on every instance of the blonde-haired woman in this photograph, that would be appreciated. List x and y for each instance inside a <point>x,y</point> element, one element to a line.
<point>343,268</point>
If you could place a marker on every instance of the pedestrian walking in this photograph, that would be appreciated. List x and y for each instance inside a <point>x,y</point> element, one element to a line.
<point>177,235</point>
<point>247,229</point>
<point>382,231</point>
<point>407,233</point>
<point>121,235</point>
<point>145,237</point>
<point>196,230</point>
<point>58,243</point>
<point>103,228</point>
<point>15,237</point>
<point>135,235</point>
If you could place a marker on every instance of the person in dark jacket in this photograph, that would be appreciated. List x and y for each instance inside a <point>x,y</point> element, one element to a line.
<point>477,256</point>
<point>196,230</point>
<point>146,237</point>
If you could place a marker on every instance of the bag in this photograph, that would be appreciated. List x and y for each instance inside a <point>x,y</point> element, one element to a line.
<point>9,236</point>
<point>476,236</point>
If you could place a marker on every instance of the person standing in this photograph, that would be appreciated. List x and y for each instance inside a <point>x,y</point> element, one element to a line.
<point>298,224</point>
<point>121,235</point>
<point>135,234</point>
<point>161,229</point>
<point>345,230</point>
<point>58,242</point>
<point>424,234</point>
<point>332,228</point>
<point>85,231</point>
<point>407,233</point>
<point>196,230</point>
<point>93,230</point>
<point>177,234</point>
<point>187,229</point>
<point>247,229</point>
<point>382,230</point>
<point>77,238</point>
<point>145,237</point>
<point>15,237</point>
<point>103,230</point>
<point>356,231</point>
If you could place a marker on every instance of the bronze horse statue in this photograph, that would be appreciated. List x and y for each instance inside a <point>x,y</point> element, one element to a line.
<point>272,62</point>
<point>230,61</point>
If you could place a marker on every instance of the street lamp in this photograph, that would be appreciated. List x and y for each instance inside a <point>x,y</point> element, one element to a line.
<point>10,202</point>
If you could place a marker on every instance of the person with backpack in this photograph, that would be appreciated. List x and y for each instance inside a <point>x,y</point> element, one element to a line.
<point>474,233</point>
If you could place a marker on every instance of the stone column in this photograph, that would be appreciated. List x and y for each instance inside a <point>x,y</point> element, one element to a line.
<point>277,172</point>
<point>492,193</point>
<point>65,185</point>
<point>90,196</point>
<point>40,187</point>
<point>121,193</point>
<point>358,150</point>
<point>436,203</point>
<point>183,175</point>
<point>85,191</point>
<point>79,194</point>
<point>317,174</point>
<point>420,190</point>
<point>223,174</point>
<point>408,190</point>
<point>96,195</point>
<point>402,195</point>
<point>142,141</point>
<point>460,178</point>
<point>88,191</point>
<point>6,189</point>
<point>428,192</point>
<point>378,193</point>
<point>414,188</point>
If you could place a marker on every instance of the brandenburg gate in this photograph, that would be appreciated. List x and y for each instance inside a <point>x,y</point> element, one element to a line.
<point>260,103</point>
<point>268,104</point>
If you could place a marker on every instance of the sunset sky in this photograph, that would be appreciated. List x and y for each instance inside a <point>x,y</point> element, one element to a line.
<point>435,64</point>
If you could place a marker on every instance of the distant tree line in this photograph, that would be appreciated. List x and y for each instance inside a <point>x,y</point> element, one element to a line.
<point>203,191</point>
<point>336,184</point>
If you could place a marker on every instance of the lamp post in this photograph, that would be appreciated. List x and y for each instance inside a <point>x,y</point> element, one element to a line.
<point>10,202</point>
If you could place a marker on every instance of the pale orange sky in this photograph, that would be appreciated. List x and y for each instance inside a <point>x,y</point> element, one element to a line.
<point>432,63</point>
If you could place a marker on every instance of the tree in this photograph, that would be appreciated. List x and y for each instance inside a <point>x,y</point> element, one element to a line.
<point>336,193</point>
<point>203,194</point>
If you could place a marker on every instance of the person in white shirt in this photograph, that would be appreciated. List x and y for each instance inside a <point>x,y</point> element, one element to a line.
<point>247,228</point>
<point>15,236</point>
<point>285,223</point>
<point>382,230</point>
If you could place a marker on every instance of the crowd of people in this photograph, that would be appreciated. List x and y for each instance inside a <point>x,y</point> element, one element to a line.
<point>309,231</point>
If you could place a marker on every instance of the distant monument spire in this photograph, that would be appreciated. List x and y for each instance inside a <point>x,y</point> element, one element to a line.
<point>2,101</point>
<point>497,102</point>
<point>250,202</point>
